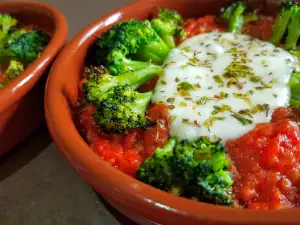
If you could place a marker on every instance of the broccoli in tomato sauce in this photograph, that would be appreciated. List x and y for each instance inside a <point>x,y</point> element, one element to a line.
<point>18,47</point>
<point>132,131</point>
<point>193,169</point>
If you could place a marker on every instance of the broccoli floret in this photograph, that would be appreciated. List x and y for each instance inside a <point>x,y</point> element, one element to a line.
<point>22,45</point>
<point>130,46</point>
<point>168,24</point>
<point>96,88</point>
<point>6,23</point>
<point>250,17</point>
<point>118,63</point>
<point>236,20</point>
<point>95,72</point>
<point>195,169</point>
<point>203,166</point>
<point>119,106</point>
<point>15,68</point>
<point>122,108</point>
<point>237,15</point>
<point>214,188</point>
<point>29,45</point>
<point>157,170</point>
<point>14,34</point>
<point>283,17</point>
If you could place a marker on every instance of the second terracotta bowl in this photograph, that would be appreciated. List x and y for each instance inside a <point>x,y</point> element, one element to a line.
<point>140,202</point>
<point>21,101</point>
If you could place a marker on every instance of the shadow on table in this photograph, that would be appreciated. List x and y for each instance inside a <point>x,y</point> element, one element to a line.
<point>122,219</point>
<point>24,152</point>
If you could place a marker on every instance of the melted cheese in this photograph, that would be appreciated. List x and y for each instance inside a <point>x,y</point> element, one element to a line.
<point>220,85</point>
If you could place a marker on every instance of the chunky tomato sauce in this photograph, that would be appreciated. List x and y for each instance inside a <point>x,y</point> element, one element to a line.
<point>267,164</point>
<point>265,161</point>
<point>261,29</point>
<point>126,151</point>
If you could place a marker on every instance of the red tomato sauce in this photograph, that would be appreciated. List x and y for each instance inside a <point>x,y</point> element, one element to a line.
<point>261,29</point>
<point>267,164</point>
<point>266,161</point>
<point>126,151</point>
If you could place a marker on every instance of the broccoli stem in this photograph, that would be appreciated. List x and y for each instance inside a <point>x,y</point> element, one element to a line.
<point>250,17</point>
<point>280,26</point>
<point>296,52</point>
<point>145,55</point>
<point>141,102</point>
<point>293,30</point>
<point>136,65</point>
<point>294,84</point>
<point>169,40</point>
<point>95,90</point>
<point>236,21</point>
<point>167,148</point>
<point>137,78</point>
<point>157,48</point>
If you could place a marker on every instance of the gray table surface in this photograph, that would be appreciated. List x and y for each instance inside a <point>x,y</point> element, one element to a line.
<point>37,187</point>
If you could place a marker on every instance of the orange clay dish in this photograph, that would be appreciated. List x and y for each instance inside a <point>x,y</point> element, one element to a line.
<point>203,108</point>
<point>22,96</point>
<point>19,47</point>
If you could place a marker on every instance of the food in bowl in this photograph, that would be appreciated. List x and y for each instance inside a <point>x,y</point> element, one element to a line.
<point>202,108</point>
<point>19,47</point>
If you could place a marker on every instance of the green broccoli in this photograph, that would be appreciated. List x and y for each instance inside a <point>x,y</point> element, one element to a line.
<point>133,45</point>
<point>157,170</point>
<point>203,165</point>
<point>250,17</point>
<point>122,108</point>
<point>3,84</point>
<point>119,106</point>
<point>195,169</point>
<point>296,52</point>
<point>287,10</point>
<point>6,23</point>
<point>28,46</point>
<point>168,25</point>
<point>293,30</point>
<point>127,42</point>
<point>22,45</point>
<point>237,15</point>
<point>294,84</point>
<point>95,72</point>
<point>99,83</point>
<point>15,68</point>
<point>14,34</point>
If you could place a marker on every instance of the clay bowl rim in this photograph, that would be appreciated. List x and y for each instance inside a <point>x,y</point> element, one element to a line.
<point>124,189</point>
<point>20,86</point>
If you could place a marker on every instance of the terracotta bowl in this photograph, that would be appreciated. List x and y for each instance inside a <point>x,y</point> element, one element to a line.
<point>140,202</point>
<point>21,101</point>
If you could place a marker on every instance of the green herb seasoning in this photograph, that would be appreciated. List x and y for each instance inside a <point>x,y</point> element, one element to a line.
<point>203,100</point>
<point>219,80</point>
<point>244,97</point>
<point>244,121</point>
<point>210,121</point>
<point>184,88</point>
